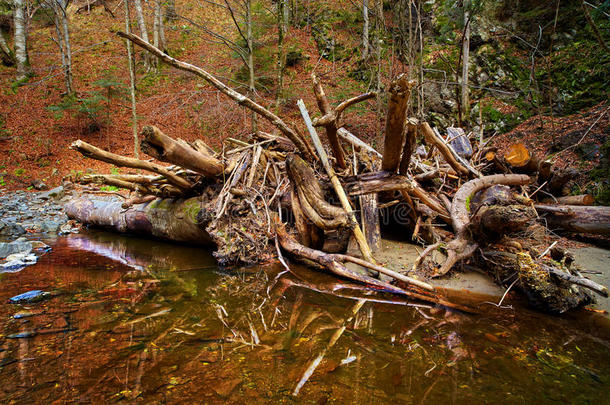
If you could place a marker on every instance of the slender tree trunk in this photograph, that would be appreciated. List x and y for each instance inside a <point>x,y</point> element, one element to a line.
<point>21,52</point>
<point>148,61</point>
<point>132,84</point>
<point>465,60</point>
<point>282,19</point>
<point>63,40</point>
<point>365,29</point>
<point>7,55</point>
<point>250,40</point>
<point>158,29</point>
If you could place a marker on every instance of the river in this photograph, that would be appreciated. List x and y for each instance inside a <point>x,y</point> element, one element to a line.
<point>136,320</point>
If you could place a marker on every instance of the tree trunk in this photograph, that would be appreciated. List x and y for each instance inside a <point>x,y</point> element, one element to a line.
<point>6,53</point>
<point>148,61</point>
<point>21,51</point>
<point>370,221</point>
<point>399,93</point>
<point>282,26</point>
<point>132,84</point>
<point>251,78</point>
<point>365,30</point>
<point>67,48</point>
<point>172,219</point>
<point>465,59</point>
<point>574,218</point>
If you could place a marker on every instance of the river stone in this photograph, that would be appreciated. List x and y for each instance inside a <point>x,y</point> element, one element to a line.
<point>55,193</point>
<point>11,229</point>
<point>18,246</point>
<point>12,265</point>
<point>30,296</point>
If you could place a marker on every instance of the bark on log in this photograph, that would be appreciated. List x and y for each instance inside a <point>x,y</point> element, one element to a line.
<point>331,126</point>
<point>583,199</point>
<point>122,161</point>
<point>166,149</point>
<point>399,93</point>
<point>172,219</point>
<point>574,218</point>
<point>408,147</point>
<point>370,221</point>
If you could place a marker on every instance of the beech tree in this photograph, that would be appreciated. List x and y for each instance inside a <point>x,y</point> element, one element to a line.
<point>21,50</point>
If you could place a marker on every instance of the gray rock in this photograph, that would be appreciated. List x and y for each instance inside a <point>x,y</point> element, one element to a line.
<point>11,229</point>
<point>55,193</point>
<point>17,246</point>
<point>13,265</point>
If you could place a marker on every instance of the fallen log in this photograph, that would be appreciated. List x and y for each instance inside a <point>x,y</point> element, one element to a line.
<point>166,149</point>
<point>122,161</point>
<point>574,218</point>
<point>583,199</point>
<point>544,289</point>
<point>171,219</point>
<point>461,247</point>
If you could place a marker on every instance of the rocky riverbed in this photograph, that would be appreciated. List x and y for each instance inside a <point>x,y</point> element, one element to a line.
<point>26,218</point>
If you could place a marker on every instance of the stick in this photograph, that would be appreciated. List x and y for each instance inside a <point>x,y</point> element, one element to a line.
<point>358,235</point>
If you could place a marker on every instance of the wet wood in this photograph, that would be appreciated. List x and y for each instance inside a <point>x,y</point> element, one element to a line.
<point>171,219</point>
<point>370,221</point>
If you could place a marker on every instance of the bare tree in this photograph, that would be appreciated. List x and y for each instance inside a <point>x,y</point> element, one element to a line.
<point>465,58</point>
<point>282,28</point>
<point>62,28</point>
<point>158,29</point>
<point>149,62</point>
<point>132,83</point>
<point>365,30</point>
<point>21,50</point>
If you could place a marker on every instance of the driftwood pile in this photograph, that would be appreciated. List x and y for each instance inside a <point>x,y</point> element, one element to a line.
<point>283,192</point>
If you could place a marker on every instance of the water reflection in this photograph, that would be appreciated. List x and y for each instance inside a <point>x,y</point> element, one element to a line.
<point>158,322</point>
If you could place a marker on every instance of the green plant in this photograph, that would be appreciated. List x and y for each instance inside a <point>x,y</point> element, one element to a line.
<point>19,172</point>
<point>109,188</point>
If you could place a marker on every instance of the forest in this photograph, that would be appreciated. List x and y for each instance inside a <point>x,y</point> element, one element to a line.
<point>438,155</point>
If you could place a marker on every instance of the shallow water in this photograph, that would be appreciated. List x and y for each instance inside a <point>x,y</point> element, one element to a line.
<point>135,320</point>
